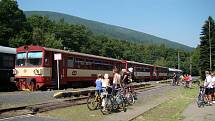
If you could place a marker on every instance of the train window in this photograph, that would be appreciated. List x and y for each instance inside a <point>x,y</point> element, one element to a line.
<point>98,65</point>
<point>89,64</point>
<point>46,60</point>
<point>147,69</point>
<point>107,66</point>
<point>79,62</point>
<point>110,67</point>
<point>70,62</point>
<point>8,61</point>
<point>137,69</point>
<point>34,58</point>
<point>21,57</point>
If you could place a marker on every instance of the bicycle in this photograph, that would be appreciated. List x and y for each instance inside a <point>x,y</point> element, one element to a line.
<point>106,102</point>
<point>94,101</point>
<point>129,94</point>
<point>201,97</point>
<point>113,102</point>
<point>119,100</point>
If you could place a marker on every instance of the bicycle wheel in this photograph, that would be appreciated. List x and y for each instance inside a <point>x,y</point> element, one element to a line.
<point>200,101</point>
<point>130,98</point>
<point>124,105</point>
<point>92,104</point>
<point>107,107</point>
<point>135,95</point>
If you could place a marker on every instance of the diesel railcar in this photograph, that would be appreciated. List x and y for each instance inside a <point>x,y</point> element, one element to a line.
<point>147,72</point>
<point>36,68</point>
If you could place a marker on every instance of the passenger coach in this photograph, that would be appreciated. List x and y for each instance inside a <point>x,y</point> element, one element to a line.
<point>7,59</point>
<point>36,68</point>
<point>146,72</point>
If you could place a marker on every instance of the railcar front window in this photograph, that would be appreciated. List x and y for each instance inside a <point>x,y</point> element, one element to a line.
<point>34,58</point>
<point>21,57</point>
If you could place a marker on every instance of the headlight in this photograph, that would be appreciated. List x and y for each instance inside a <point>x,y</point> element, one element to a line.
<point>37,72</point>
<point>14,71</point>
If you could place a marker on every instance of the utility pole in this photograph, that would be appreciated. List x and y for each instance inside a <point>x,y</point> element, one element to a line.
<point>190,65</point>
<point>210,44</point>
<point>178,60</point>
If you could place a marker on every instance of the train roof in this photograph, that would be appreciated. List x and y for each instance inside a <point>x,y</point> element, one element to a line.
<point>7,50</point>
<point>173,69</point>
<point>81,54</point>
<point>133,62</point>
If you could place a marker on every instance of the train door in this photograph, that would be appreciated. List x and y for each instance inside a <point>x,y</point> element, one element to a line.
<point>154,73</point>
<point>54,80</point>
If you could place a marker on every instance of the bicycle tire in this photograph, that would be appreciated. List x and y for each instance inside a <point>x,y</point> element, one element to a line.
<point>130,98</point>
<point>124,105</point>
<point>107,108</point>
<point>92,104</point>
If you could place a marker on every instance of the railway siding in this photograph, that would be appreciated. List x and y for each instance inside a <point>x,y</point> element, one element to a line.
<point>56,103</point>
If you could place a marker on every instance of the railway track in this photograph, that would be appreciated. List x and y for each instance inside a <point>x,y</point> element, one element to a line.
<point>59,103</point>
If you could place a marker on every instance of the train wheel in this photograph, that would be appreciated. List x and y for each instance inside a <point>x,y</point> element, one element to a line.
<point>17,85</point>
<point>32,86</point>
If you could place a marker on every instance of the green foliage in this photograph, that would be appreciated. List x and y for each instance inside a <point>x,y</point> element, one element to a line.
<point>12,22</point>
<point>195,61</point>
<point>116,32</point>
<point>205,48</point>
<point>51,41</point>
<point>73,36</point>
<point>161,61</point>
<point>41,30</point>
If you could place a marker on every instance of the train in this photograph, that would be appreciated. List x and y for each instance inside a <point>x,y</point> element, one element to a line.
<point>39,67</point>
<point>7,59</point>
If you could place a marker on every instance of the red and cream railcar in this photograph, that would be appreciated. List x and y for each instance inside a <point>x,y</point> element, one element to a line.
<point>141,71</point>
<point>147,72</point>
<point>36,68</point>
<point>162,73</point>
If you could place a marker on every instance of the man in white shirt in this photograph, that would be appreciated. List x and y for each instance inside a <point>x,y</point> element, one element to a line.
<point>213,84</point>
<point>209,87</point>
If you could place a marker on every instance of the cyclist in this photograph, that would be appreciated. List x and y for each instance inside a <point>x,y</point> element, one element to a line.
<point>99,84</point>
<point>116,80</point>
<point>105,86</point>
<point>209,87</point>
<point>174,79</point>
<point>125,79</point>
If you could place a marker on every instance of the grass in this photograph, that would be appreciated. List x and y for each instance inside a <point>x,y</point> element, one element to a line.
<point>170,110</point>
<point>76,113</point>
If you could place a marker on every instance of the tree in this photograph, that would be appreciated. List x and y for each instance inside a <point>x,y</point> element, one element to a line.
<point>51,41</point>
<point>161,62</point>
<point>74,37</point>
<point>12,22</point>
<point>195,61</point>
<point>204,46</point>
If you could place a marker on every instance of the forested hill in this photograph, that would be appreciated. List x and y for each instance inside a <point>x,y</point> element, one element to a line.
<point>110,30</point>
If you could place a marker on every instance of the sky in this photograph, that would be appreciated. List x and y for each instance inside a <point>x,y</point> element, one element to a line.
<point>176,20</point>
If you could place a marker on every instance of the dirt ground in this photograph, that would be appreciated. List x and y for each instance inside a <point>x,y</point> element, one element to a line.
<point>193,113</point>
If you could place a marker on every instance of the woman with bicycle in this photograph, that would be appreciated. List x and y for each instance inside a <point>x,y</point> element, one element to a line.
<point>106,88</point>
